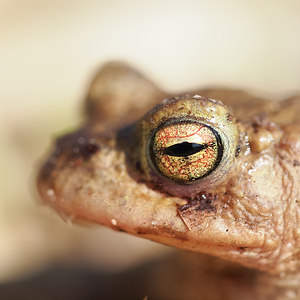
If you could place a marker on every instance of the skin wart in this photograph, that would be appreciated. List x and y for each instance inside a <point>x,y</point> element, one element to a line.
<point>245,210</point>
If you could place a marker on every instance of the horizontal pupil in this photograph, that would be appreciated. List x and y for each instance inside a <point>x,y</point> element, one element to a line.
<point>184,149</point>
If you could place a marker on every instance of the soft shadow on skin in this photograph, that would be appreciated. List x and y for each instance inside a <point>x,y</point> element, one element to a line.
<point>127,142</point>
<point>167,278</point>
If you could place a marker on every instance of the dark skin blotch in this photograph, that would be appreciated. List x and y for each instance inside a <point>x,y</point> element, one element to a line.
<point>296,163</point>
<point>202,202</point>
<point>237,150</point>
<point>88,149</point>
<point>70,150</point>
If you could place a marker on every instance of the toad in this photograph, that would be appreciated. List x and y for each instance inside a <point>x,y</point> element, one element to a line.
<point>214,176</point>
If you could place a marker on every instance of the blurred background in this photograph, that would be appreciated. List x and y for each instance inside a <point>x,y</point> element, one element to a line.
<point>49,52</point>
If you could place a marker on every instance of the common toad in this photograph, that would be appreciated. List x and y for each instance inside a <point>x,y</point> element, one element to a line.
<point>213,176</point>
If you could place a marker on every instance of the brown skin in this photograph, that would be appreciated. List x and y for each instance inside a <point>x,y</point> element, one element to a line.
<point>249,217</point>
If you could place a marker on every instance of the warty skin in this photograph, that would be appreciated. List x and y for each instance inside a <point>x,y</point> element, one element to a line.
<point>249,216</point>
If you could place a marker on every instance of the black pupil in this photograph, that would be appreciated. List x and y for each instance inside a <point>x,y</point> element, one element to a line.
<point>184,149</point>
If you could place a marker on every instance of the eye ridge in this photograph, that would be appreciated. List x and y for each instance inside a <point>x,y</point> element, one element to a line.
<point>185,149</point>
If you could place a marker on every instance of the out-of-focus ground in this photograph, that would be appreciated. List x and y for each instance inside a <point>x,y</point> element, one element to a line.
<point>49,51</point>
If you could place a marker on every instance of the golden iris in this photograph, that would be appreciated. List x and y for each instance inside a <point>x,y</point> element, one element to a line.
<point>185,151</point>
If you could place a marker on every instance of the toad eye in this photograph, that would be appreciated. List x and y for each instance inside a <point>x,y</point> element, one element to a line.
<point>185,151</point>
<point>187,144</point>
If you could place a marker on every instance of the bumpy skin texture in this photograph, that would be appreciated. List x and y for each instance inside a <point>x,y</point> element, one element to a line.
<point>250,217</point>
